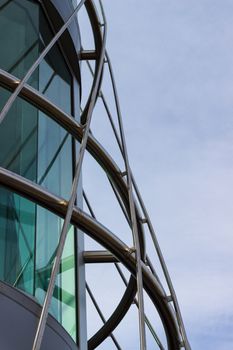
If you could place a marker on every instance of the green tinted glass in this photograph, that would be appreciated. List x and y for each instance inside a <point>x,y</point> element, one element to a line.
<point>34,146</point>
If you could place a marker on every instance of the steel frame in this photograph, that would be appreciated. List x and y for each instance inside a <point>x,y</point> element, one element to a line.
<point>124,185</point>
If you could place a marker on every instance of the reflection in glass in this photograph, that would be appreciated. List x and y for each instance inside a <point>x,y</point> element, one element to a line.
<point>19,250</point>
<point>35,147</point>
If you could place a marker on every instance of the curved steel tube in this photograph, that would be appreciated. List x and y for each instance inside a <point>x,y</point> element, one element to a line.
<point>103,236</point>
<point>32,95</point>
<point>14,95</point>
<point>147,218</point>
<point>70,124</point>
<point>76,130</point>
<point>98,42</point>
<point>139,255</point>
<point>120,272</point>
<point>174,327</point>
<point>105,161</point>
<point>71,202</point>
<point>116,317</point>
<point>91,295</point>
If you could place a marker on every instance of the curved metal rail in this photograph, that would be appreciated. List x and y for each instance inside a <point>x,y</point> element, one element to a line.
<point>103,236</point>
<point>125,189</point>
<point>106,162</point>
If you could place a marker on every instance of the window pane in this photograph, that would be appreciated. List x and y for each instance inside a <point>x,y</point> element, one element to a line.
<point>35,147</point>
<point>29,236</point>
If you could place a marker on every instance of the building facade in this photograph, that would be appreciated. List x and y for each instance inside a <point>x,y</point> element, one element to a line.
<point>43,135</point>
<point>38,149</point>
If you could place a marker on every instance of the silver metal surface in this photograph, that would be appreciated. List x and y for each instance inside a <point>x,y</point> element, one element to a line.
<point>135,259</point>
<point>147,220</point>
<point>165,270</point>
<point>65,226</point>
<point>142,331</point>
<point>13,96</point>
<point>103,236</point>
<point>97,256</point>
<point>125,302</point>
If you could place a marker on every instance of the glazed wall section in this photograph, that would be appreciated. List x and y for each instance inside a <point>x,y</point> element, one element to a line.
<point>37,148</point>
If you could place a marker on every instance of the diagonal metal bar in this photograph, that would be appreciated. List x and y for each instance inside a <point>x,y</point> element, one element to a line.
<point>101,95</point>
<point>150,226</point>
<point>142,331</point>
<point>148,323</point>
<point>151,229</point>
<point>132,184</point>
<point>101,314</point>
<point>66,223</point>
<point>150,265</point>
<point>122,146</point>
<point>23,268</point>
<point>104,237</point>
<point>164,267</point>
<point>51,163</point>
<point>21,229</point>
<point>119,200</point>
<point>38,61</point>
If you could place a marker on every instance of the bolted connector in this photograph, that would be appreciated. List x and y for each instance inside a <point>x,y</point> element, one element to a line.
<point>169,298</point>
<point>123,173</point>
<point>130,250</point>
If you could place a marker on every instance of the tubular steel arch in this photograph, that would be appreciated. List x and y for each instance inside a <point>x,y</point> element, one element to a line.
<point>136,260</point>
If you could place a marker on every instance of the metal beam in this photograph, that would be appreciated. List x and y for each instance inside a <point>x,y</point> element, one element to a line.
<point>98,256</point>
<point>89,55</point>
<point>104,237</point>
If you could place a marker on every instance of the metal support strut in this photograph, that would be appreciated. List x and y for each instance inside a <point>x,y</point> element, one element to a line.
<point>66,223</point>
<point>125,189</point>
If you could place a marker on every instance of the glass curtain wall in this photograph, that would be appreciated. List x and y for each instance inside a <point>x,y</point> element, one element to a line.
<point>34,146</point>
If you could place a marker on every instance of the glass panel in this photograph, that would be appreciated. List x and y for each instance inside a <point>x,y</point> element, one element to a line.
<point>48,229</point>
<point>37,148</point>
<point>27,34</point>
<point>54,157</point>
<point>19,23</point>
<point>34,146</point>
<point>19,225</point>
<point>54,77</point>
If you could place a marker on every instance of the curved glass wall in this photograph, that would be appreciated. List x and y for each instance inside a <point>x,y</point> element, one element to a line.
<point>34,146</point>
<point>27,250</point>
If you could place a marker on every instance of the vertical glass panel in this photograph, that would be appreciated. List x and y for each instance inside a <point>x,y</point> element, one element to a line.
<point>37,148</point>
<point>19,22</point>
<point>17,227</point>
<point>54,77</point>
<point>34,146</point>
<point>68,285</point>
<point>63,303</point>
<point>54,157</point>
<point>27,34</point>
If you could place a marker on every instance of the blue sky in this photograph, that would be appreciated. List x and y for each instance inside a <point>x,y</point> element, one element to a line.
<point>173,65</point>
